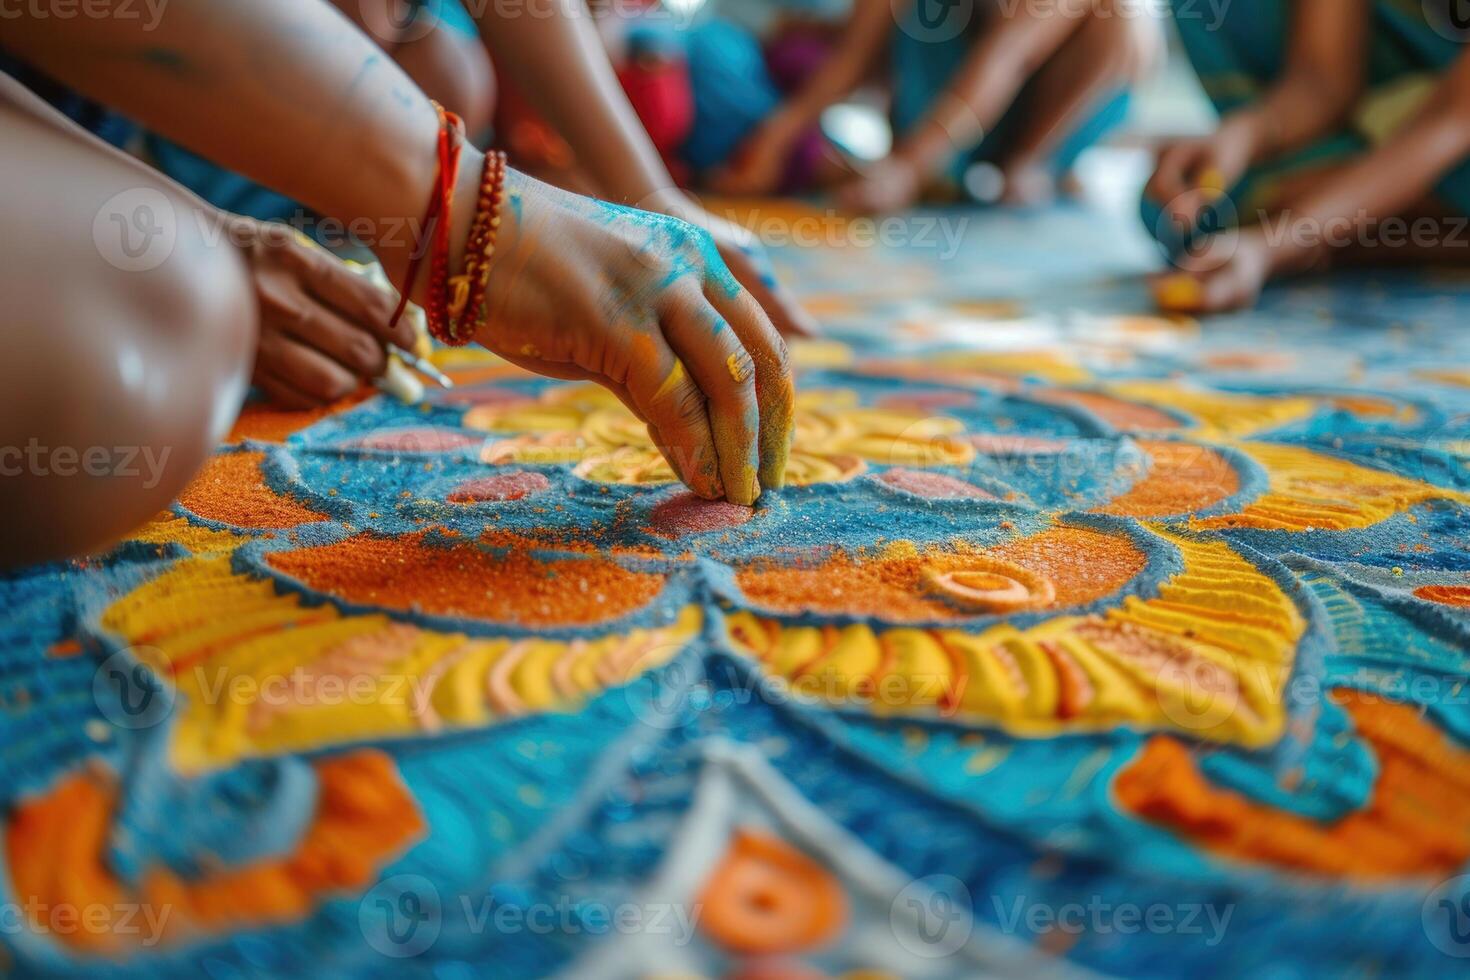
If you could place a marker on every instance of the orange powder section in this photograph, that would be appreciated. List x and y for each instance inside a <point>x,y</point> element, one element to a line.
<point>1124,415</point>
<point>1081,564</point>
<point>265,422</point>
<point>1445,595</point>
<point>230,489</point>
<point>1417,822</point>
<point>55,845</point>
<point>1182,479</point>
<point>465,580</point>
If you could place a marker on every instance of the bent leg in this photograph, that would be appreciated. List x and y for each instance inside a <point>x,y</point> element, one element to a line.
<point>1079,93</point>
<point>439,47</point>
<point>130,329</point>
<point>451,65</point>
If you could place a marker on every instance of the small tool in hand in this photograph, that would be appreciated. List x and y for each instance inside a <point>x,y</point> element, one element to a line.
<point>422,366</point>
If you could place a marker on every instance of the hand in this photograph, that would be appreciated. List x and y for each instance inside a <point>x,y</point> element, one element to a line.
<point>1227,273</point>
<point>322,327</point>
<point>746,257</point>
<point>889,185</point>
<point>758,164</point>
<point>1192,173</point>
<point>641,304</point>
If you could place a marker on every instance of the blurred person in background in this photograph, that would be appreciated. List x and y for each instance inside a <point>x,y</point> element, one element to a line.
<point>1020,87</point>
<point>1335,116</point>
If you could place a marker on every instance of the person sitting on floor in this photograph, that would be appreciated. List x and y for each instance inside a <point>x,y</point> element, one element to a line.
<point>1339,119</point>
<point>167,302</point>
<point>980,81</point>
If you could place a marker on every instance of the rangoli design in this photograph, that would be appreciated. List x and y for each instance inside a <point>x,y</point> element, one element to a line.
<point>1061,611</point>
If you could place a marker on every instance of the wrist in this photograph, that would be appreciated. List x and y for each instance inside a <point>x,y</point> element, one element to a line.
<point>405,238</point>
<point>500,286</point>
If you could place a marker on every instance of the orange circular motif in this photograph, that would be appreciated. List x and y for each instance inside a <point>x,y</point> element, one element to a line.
<point>767,897</point>
<point>995,586</point>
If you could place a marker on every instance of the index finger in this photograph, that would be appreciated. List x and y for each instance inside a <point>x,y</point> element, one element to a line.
<point>775,391</point>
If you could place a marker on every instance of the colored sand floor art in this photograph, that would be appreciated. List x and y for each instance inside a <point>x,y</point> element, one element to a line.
<point>1082,642</point>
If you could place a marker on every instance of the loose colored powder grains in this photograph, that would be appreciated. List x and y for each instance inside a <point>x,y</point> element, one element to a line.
<point>998,445</point>
<point>265,422</point>
<point>1448,595</point>
<point>1182,479</point>
<point>1125,415</point>
<point>933,485</point>
<point>230,489</point>
<point>686,513</point>
<point>509,586</point>
<point>502,486</point>
<point>1079,564</point>
<point>1083,565</point>
<point>423,440</point>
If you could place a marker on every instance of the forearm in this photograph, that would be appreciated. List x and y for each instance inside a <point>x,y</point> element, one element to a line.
<point>553,51</point>
<point>1396,176</point>
<point>287,93</point>
<point>1321,82</point>
<point>844,69</point>
<point>1302,108</point>
<point>14,93</point>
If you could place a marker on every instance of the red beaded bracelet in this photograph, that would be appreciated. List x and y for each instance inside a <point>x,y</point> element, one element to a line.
<point>466,308</point>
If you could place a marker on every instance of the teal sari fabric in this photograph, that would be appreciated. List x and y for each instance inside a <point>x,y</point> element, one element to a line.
<point>1238,51</point>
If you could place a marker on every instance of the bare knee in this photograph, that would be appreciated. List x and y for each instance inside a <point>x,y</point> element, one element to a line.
<point>1128,37</point>
<point>129,361</point>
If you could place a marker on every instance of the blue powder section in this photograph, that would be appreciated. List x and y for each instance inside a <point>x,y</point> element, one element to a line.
<point>578,810</point>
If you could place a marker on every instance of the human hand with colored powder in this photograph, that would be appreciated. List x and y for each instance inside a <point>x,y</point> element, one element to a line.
<point>642,304</point>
